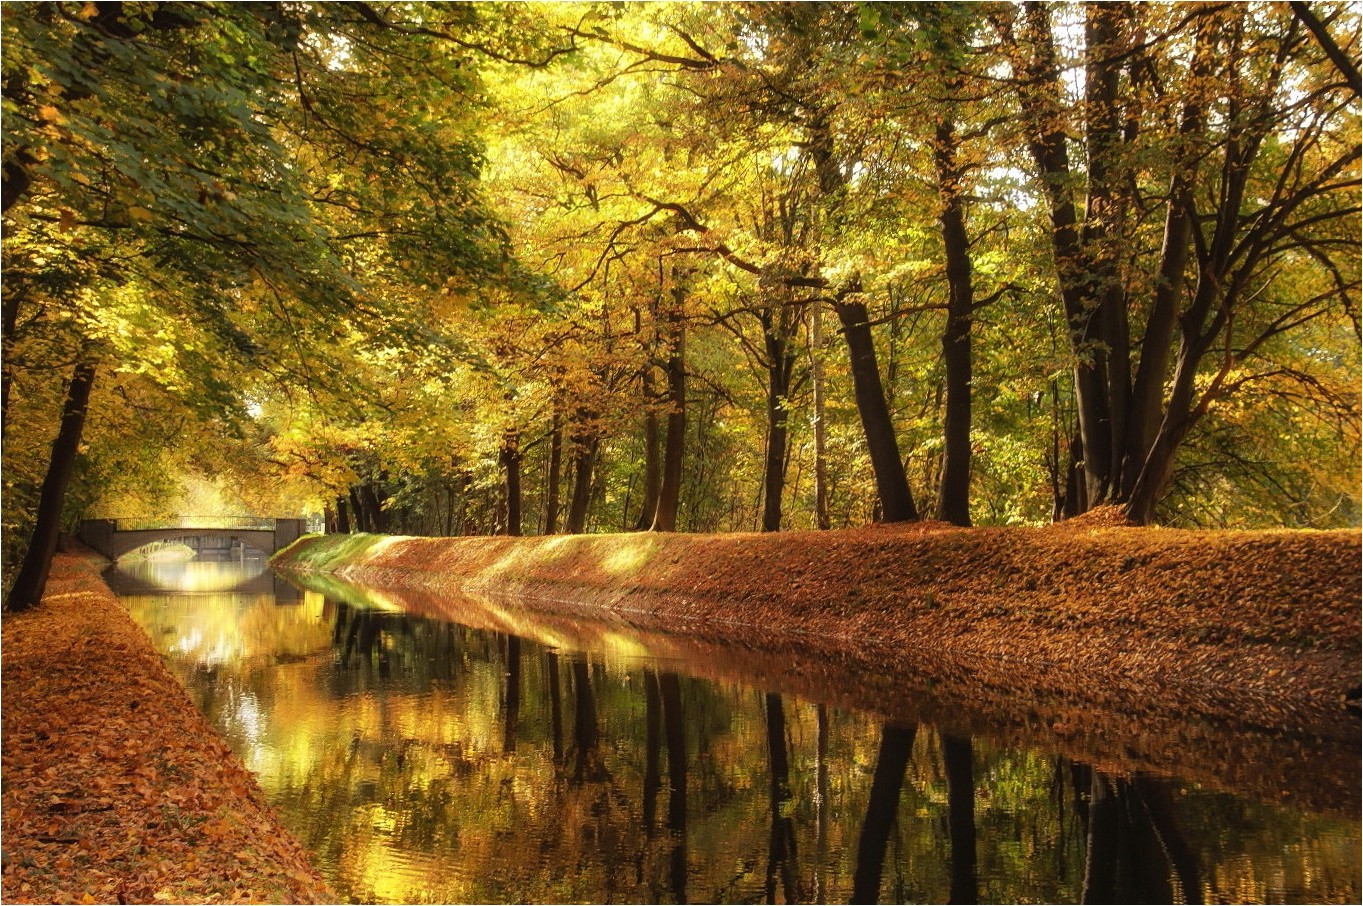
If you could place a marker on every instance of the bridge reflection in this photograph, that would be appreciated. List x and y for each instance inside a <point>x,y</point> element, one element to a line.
<point>197,577</point>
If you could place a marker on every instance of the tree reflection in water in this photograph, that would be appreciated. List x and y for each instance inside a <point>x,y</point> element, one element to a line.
<point>426,761</point>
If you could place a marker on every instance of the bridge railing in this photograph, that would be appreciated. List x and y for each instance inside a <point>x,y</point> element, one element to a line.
<point>248,523</point>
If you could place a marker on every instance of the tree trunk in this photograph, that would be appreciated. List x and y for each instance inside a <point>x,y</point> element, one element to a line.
<point>652,462</point>
<point>510,457</point>
<point>953,499</point>
<point>1046,117</point>
<point>780,363</point>
<point>555,469</point>
<point>585,444</point>
<point>375,517</point>
<point>896,501</point>
<point>359,512</point>
<point>1105,214</point>
<point>342,516</point>
<point>816,377</point>
<point>669,493</point>
<point>28,586</point>
<point>1151,372</point>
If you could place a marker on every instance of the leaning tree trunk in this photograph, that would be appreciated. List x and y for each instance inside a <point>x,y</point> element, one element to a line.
<point>892,484</point>
<point>896,502</point>
<point>1045,119</point>
<point>27,589</point>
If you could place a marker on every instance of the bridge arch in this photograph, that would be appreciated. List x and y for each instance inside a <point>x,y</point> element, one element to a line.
<point>113,539</point>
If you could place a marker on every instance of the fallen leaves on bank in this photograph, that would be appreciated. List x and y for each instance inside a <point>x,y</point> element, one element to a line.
<point>116,789</point>
<point>1260,627</point>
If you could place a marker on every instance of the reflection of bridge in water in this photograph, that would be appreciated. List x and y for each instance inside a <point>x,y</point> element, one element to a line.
<point>115,537</point>
<point>265,582</point>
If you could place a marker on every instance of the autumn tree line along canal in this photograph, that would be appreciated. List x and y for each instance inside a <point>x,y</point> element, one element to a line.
<point>841,356</point>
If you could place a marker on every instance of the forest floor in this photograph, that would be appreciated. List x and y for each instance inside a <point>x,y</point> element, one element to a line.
<point>1259,627</point>
<point>116,788</point>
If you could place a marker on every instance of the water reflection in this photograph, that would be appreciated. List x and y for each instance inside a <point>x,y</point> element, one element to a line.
<point>427,761</point>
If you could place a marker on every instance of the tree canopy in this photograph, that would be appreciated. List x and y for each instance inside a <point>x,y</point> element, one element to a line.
<point>487,267</point>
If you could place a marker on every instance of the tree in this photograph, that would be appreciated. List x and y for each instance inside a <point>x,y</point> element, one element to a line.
<point>1276,160</point>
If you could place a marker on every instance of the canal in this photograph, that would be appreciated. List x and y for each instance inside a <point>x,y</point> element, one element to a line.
<point>426,759</point>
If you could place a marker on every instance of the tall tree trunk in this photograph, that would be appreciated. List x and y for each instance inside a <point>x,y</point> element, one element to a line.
<point>816,377</point>
<point>896,501</point>
<point>652,461</point>
<point>584,446</point>
<point>28,586</point>
<point>510,457</point>
<point>780,362</point>
<point>953,499</point>
<point>1045,116</point>
<point>669,493</point>
<point>892,485</point>
<point>1151,372</point>
<point>896,744</point>
<point>555,470</point>
<point>1105,214</point>
<point>358,512</point>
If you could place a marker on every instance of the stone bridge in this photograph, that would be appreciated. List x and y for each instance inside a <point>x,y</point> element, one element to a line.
<point>115,537</point>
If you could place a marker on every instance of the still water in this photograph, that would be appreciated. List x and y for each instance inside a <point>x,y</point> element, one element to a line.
<point>423,760</point>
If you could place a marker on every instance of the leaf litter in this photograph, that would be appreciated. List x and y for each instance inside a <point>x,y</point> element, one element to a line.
<point>116,788</point>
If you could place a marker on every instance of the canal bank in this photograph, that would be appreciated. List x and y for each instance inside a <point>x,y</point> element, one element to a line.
<point>1259,629</point>
<point>116,789</point>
